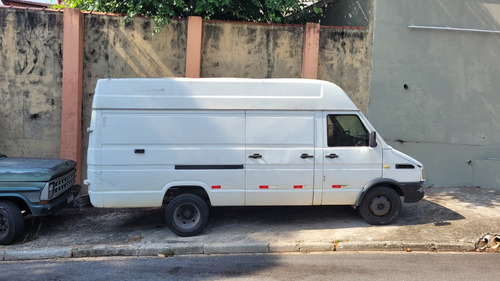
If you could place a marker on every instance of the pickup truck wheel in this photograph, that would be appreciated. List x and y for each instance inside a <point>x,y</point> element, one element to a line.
<point>11,222</point>
<point>381,205</point>
<point>187,214</point>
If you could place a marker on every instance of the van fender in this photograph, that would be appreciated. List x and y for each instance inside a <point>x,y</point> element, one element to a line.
<point>193,185</point>
<point>378,182</point>
<point>169,185</point>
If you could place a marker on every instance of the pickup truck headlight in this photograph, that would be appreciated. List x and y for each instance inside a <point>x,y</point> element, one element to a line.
<point>51,190</point>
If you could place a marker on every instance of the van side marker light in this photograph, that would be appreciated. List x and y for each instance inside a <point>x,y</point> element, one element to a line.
<point>336,186</point>
<point>268,186</point>
<point>298,186</point>
<point>220,186</point>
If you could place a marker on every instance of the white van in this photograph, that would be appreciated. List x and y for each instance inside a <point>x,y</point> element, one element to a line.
<point>194,143</point>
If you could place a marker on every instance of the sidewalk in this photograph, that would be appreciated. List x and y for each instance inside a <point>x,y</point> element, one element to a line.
<point>447,219</point>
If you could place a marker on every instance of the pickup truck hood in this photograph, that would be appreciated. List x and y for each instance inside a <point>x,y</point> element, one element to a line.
<point>33,169</point>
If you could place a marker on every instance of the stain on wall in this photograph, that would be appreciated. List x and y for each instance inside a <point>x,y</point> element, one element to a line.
<point>344,59</point>
<point>30,82</point>
<point>113,49</point>
<point>251,50</point>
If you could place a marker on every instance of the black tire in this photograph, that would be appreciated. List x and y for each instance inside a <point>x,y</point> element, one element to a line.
<point>381,205</point>
<point>187,214</point>
<point>11,222</point>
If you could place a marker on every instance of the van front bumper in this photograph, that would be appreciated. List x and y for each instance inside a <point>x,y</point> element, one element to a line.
<point>413,191</point>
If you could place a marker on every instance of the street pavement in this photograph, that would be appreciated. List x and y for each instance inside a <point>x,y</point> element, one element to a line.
<point>447,219</point>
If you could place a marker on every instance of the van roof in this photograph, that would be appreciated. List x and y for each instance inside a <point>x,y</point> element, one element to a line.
<point>220,94</point>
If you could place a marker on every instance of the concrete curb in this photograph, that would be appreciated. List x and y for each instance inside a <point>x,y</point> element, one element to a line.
<point>169,250</point>
<point>235,248</point>
<point>163,250</point>
<point>105,251</point>
<point>406,246</point>
<point>38,254</point>
<point>301,247</point>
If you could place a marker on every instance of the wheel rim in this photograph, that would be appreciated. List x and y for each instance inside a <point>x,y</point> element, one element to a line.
<point>187,216</point>
<point>4,225</point>
<point>380,206</point>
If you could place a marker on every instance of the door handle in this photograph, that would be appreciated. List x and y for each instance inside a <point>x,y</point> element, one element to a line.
<point>305,156</point>
<point>332,156</point>
<point>255,156</point>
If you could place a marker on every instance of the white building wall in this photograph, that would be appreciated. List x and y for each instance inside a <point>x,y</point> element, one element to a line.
<point>438,91</point>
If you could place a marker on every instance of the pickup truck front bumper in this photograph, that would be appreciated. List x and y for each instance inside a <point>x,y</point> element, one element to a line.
<point>56,204</point>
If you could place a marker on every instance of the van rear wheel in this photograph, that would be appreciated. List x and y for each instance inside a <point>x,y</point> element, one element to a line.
<point>381,205</point>
<point>11,222</point>
<point>187,214</point>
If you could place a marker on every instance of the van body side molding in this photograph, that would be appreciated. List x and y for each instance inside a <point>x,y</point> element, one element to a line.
<point>209,167</point>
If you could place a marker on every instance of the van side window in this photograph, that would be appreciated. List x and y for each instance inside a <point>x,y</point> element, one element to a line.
<point>346,130</point>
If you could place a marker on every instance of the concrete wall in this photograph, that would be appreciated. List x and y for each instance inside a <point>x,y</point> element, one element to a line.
<point>30,82</point>
<point>251,50</point>
<point>447,113</point>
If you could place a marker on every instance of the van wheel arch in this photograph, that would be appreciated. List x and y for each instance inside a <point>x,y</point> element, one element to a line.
<point>388,183</point>
<point>175,191</point>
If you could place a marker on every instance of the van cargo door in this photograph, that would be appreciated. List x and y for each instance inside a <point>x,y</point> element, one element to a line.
<point>280,157</point>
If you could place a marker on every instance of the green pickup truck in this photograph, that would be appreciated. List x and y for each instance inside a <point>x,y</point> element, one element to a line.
<point>34,186</point>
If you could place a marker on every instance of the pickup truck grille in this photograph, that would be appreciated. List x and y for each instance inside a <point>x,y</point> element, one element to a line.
<point>61,184</point>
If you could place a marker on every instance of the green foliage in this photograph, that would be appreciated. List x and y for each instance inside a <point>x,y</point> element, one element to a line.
<point>161,11</point>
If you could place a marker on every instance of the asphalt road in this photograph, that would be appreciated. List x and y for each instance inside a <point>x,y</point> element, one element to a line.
<point>357,266</point>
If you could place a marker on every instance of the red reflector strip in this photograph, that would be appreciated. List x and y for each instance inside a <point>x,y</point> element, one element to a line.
<point>336,186</point>
<point>216,187</point>
<point>297,186</point>
<point>264,187</point>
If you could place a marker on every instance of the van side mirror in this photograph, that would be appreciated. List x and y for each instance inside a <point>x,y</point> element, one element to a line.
<point>373,139</point>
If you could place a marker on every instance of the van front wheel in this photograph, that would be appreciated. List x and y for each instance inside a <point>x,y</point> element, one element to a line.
<point>187,214</point>
<point>381,205</point>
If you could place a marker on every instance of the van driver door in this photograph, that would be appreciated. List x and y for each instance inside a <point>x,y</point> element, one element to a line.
<point>349,161</point>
